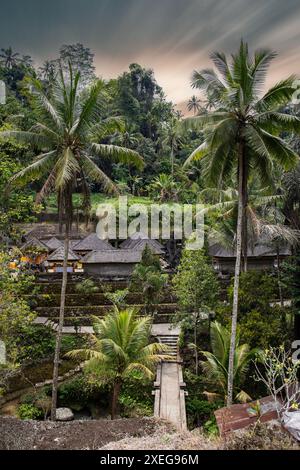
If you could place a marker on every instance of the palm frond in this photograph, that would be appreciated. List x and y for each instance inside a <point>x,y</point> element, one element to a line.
<point>119,154</point>
<point>96,174</point>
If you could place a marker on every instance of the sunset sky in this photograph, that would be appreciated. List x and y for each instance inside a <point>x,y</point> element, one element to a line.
<point>171,36</point>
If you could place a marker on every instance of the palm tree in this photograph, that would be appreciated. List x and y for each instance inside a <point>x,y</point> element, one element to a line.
<point>64,133</point>
<point>171,137</point>
<point>27,61</point>
<point>149,281</point>
<point>194,104</point>
<point>48,70</point>
<point>241,134</point>
<point>121,345</point>
<point>216,364</point>
<point>9,58</point>
<point>165,186</point>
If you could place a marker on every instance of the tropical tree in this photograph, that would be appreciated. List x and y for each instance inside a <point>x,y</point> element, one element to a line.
<point>121,346</point>
<point>164,188</point>
<point>242,133</point>
<point>48,70</point>
<point>196,288</point>
<point>194,104</point>
<point>67,125</point>
<point>171,139</point>
<point>81,59</point>
<point>148,279</point>
<point>216,364</point>
<point>9,58</point>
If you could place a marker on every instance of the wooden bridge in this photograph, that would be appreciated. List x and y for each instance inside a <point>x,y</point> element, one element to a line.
<point>169,393</point>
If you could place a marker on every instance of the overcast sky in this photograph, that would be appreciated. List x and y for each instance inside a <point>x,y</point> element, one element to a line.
<point>171,36</point>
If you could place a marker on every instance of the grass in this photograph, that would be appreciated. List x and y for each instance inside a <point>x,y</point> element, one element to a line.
<point>96,199</point>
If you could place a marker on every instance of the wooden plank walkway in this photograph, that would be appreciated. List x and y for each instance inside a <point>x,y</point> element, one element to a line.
<point>169,403</point>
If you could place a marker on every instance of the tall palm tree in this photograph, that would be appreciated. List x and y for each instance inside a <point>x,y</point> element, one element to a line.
<point>48,70</point>
<point>9,58</point>
<point>64,133</point>
<point>171,137</point>
<point>242,133</point>
<point>121,345</point>
<point>194,104</point>
<point>27,61</point>
<point>216,364</point>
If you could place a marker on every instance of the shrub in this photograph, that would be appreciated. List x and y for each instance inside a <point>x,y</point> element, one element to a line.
<point>261,437</point>
<point>87,286</point>
<point>80,392</point>
<point>35,342</point>
<point>136,396</point>
<point>201,412</point>
<point>29,411</point>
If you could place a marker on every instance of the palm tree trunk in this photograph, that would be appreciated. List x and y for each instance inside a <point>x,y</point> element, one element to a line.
<point>279,276</point>
<point>172,160</point>
<point>115,399</point>
<point>60,325</point>
<point>245,221</point>
<point>196,344</point>
<point>236,277</point>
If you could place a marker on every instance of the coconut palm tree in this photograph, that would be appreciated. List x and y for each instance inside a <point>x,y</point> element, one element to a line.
<point>242,133</point>
<point>27,61</point>
<point>194,104</point>
<point>121,345</point>
<point>48,70</point>
<point>171,138</point>
<point>9,58</point>
<point>216,364</point>
<point>165,186</point>
<point>64,133</point>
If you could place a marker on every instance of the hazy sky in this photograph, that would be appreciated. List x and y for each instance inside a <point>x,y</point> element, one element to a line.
<point>171,36</point>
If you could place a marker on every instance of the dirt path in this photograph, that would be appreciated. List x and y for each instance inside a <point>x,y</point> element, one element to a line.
<point>16,434</point>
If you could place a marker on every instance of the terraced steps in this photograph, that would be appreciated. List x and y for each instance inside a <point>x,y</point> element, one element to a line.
<point>172,342</point>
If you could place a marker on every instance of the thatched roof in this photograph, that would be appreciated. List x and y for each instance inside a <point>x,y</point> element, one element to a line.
<point>45,230</point>
<point>113,256</point>
<point>74,243</point>
<point>93,243</point>
<point>260,250</point>
<point>58,255</point>
<point>53,243</point>
<point>138,241</point>
<point>34,243</point>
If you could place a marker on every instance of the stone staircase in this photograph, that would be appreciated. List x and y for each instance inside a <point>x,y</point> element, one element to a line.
<point>171,341</point>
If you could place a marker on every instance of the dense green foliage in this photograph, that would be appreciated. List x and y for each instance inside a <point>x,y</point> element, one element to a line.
<point>148,279</point>
<point>260,324</point>
<point>215,365</point>
<point>121,346</point>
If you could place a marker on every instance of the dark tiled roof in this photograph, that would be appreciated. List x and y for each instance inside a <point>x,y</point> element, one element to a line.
<point>112,256</point>
<point>34,243</point>
<point>58,255</point>
<point>53,243</point>
<point>93,243</point>
<point>138,241</point>
<point>259,250</point>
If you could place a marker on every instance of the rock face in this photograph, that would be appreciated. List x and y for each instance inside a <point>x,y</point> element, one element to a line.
<point>291,422</point>
<point>64,414</point>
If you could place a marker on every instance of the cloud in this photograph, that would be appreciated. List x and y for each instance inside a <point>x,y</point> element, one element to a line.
<point>171,36</point>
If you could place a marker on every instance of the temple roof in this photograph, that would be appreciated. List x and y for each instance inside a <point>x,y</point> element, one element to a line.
<point>113,256</point>
<point>138,242</point>
<point>93,243</point>
<point>34,243</point>
<point>58,255</point>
